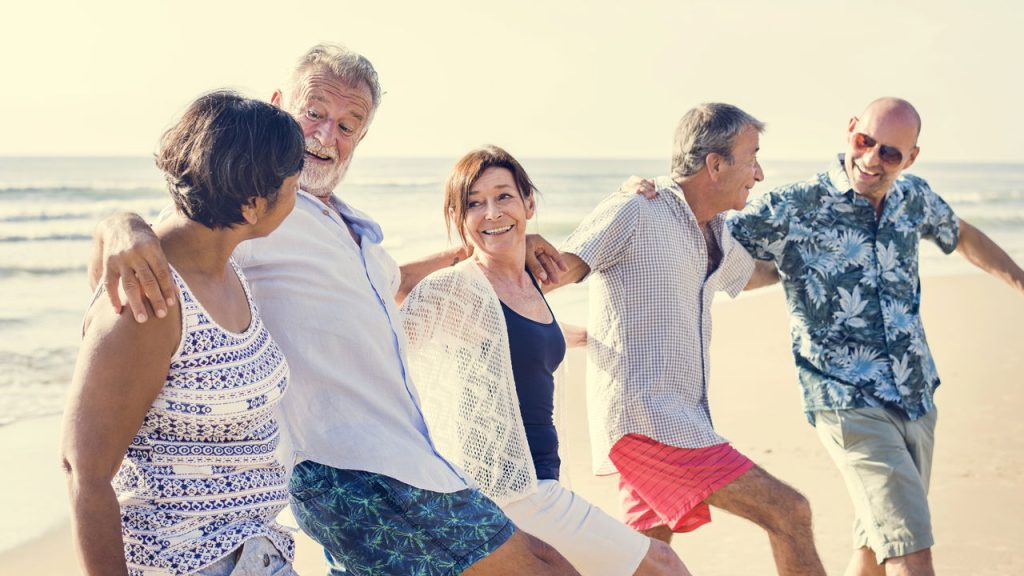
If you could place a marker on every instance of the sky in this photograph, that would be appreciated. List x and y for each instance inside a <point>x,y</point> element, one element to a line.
<point>548,78</point>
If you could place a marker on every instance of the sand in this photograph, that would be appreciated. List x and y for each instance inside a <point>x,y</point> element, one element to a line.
<point>974,328</point>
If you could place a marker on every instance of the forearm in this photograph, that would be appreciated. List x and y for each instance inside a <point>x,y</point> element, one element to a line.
<point>413,272</point>
<point>96,526</point>
<point>980,250</point>
<point>765,274</point>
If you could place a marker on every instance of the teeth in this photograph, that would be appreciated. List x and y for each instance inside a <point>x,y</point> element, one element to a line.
<point>493,231</point>
<point>311,153</point>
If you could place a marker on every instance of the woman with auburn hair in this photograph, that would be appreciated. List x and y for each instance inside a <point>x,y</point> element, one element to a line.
<point>483,349</point>
<point>169,432</point>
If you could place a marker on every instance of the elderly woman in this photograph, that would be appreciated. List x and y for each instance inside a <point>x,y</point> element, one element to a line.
<point>483,349</point>
<point>169,431</point>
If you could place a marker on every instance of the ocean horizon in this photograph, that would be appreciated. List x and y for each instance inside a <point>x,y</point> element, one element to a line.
<point>49,207</point>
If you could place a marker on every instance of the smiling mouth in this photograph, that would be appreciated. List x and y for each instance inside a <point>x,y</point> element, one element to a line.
<point>497,231</point>
<point>319,157</point>
<point>865,173</point>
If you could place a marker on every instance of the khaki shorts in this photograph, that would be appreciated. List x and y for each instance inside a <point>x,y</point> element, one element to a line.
<point>886,460</point>
<point>592,541</point>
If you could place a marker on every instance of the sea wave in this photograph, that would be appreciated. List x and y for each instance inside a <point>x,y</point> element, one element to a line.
<point>8,271</point>
<point>46,238</point>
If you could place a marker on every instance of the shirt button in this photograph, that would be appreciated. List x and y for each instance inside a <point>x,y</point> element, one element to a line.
<point>266,560</point>
<point>326,213</point>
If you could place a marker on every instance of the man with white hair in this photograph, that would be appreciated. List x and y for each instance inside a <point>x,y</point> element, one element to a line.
<point>367,482</point>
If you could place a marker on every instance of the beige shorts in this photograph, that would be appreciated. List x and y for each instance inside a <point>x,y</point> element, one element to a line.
<point>886,460</point>
<point>592,541</point>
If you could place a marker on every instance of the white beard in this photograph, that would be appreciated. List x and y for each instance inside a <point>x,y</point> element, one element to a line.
<point>321,181</point>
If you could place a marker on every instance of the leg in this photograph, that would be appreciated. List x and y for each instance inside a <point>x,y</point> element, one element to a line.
<point>864,563</point>
<point>914,564</point>
<point>660,533</point>
<point>661,560</point>
<point>781,511</point>
<point>522,554</point>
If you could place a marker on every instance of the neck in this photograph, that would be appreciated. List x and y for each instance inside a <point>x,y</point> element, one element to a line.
<point>511,270</point>
<point>697,196</point>
<point>193,247</point>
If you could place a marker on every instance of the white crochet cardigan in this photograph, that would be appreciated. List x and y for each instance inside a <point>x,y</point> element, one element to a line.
<point>459,358</point>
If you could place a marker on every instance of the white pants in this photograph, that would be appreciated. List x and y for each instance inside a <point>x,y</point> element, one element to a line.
<point>592,541</point>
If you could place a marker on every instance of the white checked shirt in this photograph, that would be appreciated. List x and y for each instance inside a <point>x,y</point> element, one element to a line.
<point>649,323</point>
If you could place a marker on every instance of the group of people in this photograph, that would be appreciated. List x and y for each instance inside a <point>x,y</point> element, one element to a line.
<point>406,413</point>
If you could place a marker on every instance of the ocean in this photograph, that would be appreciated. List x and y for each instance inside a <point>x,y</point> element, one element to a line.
<point>49,207</point>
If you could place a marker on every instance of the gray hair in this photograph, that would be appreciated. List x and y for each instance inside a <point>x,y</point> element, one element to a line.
<point>348,66</point>
<point>708,128</point>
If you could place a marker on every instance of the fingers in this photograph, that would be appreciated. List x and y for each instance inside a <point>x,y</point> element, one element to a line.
<point>637,185</point>
<point>133,293</point>
<point>534,265</point>
<point>551,267</point>
<point>156,285</point>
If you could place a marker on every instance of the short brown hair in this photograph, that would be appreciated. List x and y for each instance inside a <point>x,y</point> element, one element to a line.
<point>466,172</point>
<point>226,150</point>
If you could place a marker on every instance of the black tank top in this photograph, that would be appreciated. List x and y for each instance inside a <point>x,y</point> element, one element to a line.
<point>537,350</point>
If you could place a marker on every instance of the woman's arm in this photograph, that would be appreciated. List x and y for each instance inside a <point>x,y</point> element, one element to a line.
<point>121,368</point>
<point>575,336</point>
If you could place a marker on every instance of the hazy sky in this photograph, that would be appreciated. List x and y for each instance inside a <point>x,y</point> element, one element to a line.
<point>554,78</point>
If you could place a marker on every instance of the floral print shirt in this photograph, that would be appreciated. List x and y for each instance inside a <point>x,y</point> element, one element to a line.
<point>852,286</point>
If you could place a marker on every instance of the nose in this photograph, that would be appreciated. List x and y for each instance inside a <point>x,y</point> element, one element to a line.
<point>326,132</point>
<point>758,173</point>
<point>871,156</point>
<point>493,211</point>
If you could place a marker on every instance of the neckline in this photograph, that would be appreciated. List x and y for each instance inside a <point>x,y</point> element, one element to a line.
<point>542,298</point>
<point>199,305</point>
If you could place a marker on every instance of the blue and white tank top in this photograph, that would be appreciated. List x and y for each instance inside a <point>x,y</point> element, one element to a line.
<point>201,477</point>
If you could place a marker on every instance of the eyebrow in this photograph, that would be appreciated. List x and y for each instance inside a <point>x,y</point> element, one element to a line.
<point>471,192</point>
<point>318,98</point>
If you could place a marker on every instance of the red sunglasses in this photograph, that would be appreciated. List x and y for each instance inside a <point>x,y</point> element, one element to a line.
<point>889,155</point>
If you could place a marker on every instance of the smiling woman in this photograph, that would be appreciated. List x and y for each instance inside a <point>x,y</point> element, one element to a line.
<point>483,349</point>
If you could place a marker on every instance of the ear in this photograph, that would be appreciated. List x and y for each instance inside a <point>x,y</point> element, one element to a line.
<point>276,98</point>
<point>713,162</point>
<point>531,205</point>
<point>251,210</point>
<point>913,156</point>
<point>852,127</point>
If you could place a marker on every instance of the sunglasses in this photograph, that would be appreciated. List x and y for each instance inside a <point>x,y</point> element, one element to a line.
<point>889,155</point>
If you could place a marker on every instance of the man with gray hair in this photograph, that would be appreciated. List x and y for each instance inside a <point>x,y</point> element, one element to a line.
<point>367,482</point>
<point>655,267</point>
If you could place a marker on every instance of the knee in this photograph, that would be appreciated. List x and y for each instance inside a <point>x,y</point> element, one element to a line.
<point>791,513</point>
<point>662,560</point>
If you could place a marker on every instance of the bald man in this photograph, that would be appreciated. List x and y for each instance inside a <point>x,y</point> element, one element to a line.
<point>846,247</point>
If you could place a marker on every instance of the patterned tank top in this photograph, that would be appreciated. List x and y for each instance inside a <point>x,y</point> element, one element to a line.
<point>201,477</point>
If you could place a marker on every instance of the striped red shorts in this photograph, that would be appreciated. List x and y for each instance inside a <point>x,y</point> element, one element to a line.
<point>663,485</point>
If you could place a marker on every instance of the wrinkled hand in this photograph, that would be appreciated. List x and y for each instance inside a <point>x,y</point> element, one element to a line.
<point>127,255</point>
<point>544,260</point>
<point>637,185</point>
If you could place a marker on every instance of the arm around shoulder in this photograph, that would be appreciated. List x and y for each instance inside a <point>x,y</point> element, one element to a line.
<point>126,253</point>
<point>983,252</point>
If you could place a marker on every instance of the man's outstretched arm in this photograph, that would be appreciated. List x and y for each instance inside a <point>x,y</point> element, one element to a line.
<point>980,250</point>
<point>126,254</point>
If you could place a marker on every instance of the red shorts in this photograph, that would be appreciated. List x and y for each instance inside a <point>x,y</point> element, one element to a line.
<point>663,485</point>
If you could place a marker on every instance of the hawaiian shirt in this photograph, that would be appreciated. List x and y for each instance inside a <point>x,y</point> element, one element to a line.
<point>852,286</point>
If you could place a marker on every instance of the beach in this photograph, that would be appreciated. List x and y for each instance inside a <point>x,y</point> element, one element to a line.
<point>973,324</point>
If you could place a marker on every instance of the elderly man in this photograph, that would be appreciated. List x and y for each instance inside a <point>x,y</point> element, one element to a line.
<point>655,267</point>
<point>846,247</point>
<point>367,482</point>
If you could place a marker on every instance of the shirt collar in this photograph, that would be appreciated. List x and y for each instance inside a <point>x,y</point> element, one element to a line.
<point>361,223</point>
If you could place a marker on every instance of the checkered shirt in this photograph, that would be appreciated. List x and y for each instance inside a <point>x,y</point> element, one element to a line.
<point>649,324</point>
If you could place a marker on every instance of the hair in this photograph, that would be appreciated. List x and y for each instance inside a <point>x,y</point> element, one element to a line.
<point>350,68</point>
<point>709,128</point>
<point>225,151</point>
<point>467,171</point>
